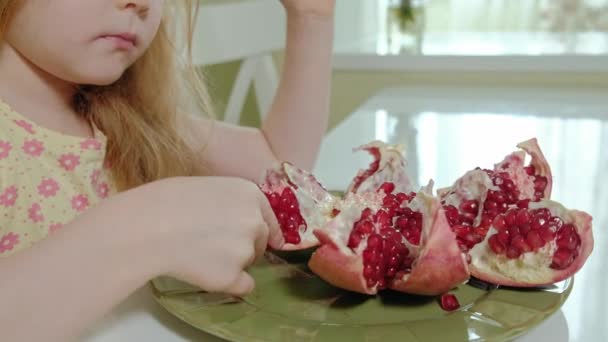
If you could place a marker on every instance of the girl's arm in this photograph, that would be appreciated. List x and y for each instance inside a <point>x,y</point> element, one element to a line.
<point>60,286</point>
<point>297,120</point>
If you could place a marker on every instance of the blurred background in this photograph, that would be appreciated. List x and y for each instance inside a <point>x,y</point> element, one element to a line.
<point>546,43</point>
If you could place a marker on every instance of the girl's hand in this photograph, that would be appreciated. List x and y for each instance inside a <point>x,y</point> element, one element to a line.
<point>209,230</point>
<point>319,8</point>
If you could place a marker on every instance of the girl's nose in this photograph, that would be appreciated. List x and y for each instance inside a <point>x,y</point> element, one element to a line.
<point>139,6</point>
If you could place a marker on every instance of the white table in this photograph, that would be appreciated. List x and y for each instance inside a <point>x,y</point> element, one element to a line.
<point>420,117</point>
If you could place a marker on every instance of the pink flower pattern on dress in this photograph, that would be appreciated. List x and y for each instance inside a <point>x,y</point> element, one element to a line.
<point>55,227</point>
<point>8,242</point>
<point>95,177</point>
<point>33,147</point>
<point>80,203</point>
<point>90,144</point>
<point>48,188</point>
<point>9,197</point>
<point>5,149</point>
<point>69,161</point>
<point>103,190</point>
<point>34,213</point>
<point>26,126</point>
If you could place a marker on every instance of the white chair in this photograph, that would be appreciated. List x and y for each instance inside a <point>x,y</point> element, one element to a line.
<point>250,31</point>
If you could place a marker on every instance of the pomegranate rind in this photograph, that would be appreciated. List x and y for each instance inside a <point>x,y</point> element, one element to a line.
<point>487,266</point>
<point>440,265</point>
<point>539,162</point>
<point>391,169</point>
<point>316,204</point>
<point>341,270</point>
<point>514,165</point>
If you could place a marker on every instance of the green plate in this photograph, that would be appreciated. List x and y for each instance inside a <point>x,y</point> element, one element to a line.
<point>292,304</point>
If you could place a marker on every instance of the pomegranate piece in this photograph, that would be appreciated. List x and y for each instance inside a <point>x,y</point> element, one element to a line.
<point>300,204</point>
<point>538,245</point>
<point>449,302</point>
<point>389,240</point>
<point>388,167</point>
<point>479,196</point>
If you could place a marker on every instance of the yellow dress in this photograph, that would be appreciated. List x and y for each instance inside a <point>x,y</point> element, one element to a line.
<point>46,179</point>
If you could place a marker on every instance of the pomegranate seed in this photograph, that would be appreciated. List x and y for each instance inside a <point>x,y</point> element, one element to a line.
<point>374,241</point>
<point>562,259</point>
<point>274,200</point>
<point>490,205</point>
<point>470,206</point>
<point>500,197</point>
<point>530,170</point>
<point>511,217</point>
<point>540,183</point>
<point>282,218</point>
<point>569,241</point>
<point>449,302</point>
<point>368,271</point>
<point>390,201</point>
<point>557,222</point>
<point>383,218</point>
<point>401,223</point>
<point>402,197</point>
<point>524,229</point>
<point>354,240</point>
<point>499,222</point>
<point>365,227</point>
<point>546,233</point>
<point>534,240</point>
<point>523,203</point>
<point>387,187</point>
<point>508,185</point>
<point>292,237</point>
<point>537,222</point>
<point>520,243</point>
<point>513,252</point>
<point>497,246</point>
<point>367,212</point>
<point>544,212</point>
<point>467,218</point>
<point>523,217</point>
<point>414,238</point>
<point>504,237</point>
<point>486,222</point>
<point>452,214</point>
<point>371,282</point>
<point>461,231</point>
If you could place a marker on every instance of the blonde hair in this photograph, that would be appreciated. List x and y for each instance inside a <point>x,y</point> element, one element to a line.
<point>143,113</point>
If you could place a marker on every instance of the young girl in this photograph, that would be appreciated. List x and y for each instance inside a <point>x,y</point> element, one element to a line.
<point>107,180</point>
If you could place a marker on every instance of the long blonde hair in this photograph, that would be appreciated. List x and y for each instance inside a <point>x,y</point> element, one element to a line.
<point>142,114</point>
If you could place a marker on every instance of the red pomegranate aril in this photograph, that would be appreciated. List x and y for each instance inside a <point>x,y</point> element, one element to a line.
<point>537,222</point>
<point>402,197</point>
<point>546,233</point>
<point>449,302</point>
<point>524,229</point>
<point>374,241</point>
<point>513,252</point>
<point>470,206</point>
<point>534,240</point>
<point>274,199</point>
<point>523,203</point>
<point>520,243</point>
<point>562,258</point>
<point>523,217</point>
<point>540,183</point>
<point>486,222</point>
<point>461,231</point>
<point>504,237</point>
<point>383,218</point>
<point>292,237</point>
<point>499,222</point>
<point>496,245</point>
<point>530,170</point>
<point>511,217</point>
<point>367,213</point>
<point>354,240</point>
<point>557,222</point>
<point>467,218</point>
<point>491,205</point>
<point>401,223</point>
<point>568,241</point>
<point>388,188</point>
<point>390,201</point>
<point>544,212</point>
<point>368,271</point>
<point>364,227</point>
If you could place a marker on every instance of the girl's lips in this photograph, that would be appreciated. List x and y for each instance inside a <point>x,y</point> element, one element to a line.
<point>123,41</point>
